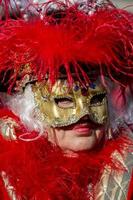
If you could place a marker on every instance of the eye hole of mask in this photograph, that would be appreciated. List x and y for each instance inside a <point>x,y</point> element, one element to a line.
<point>97,99</point>
<point>65,102</point>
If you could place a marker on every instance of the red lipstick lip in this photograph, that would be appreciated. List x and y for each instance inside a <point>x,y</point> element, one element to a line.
<point>83,129</point>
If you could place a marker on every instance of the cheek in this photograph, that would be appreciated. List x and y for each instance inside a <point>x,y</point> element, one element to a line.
<point>99,135</point>
<point>55,136</point>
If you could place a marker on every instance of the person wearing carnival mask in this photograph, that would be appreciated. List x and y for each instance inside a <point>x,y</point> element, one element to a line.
<point>66,106</point>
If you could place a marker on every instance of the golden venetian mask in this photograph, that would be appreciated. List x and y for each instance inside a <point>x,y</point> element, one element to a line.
<point>63,105</point>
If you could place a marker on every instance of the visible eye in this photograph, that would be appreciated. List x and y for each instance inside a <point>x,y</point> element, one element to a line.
<point>65,102</point>
<point>97,99</point>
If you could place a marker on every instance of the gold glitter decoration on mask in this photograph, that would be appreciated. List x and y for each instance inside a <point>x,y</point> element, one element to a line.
<point>63,106</point>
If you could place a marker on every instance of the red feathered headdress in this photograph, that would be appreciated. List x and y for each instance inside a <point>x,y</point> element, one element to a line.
<point>69,39</point>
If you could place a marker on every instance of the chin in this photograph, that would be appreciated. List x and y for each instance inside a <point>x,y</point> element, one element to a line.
<point>79,144</point>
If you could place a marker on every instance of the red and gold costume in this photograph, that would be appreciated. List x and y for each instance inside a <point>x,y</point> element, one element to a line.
<point>80,51</point>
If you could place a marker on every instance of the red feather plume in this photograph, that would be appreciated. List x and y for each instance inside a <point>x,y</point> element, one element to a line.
<point>102,41</point>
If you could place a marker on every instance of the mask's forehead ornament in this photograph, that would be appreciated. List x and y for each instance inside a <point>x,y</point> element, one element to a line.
<point>62,105</point>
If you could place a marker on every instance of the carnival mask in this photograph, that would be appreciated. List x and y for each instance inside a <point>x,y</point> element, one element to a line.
<point>63,105</point>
